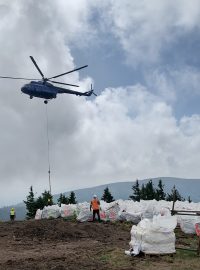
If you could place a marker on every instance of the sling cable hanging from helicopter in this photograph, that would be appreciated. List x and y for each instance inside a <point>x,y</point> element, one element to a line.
<point>48,149</point>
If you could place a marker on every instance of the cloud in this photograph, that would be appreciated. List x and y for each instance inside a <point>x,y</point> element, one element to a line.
<point>123,134</point>
<point>171,84</point>
<point>146,30</point>
<point>34,29</point>
<point>126,132</point>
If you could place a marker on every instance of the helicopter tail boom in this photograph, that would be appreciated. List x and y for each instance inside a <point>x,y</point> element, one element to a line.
<point>77,93</point>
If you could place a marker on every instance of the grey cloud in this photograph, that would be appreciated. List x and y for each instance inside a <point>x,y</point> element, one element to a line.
<point>146,30</point>
<point>124,133</point>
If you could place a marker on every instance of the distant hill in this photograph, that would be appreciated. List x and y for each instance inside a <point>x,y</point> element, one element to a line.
<point>120,190</point>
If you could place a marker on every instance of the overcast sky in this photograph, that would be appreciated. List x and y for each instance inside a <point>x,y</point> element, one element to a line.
<point>144,62</point>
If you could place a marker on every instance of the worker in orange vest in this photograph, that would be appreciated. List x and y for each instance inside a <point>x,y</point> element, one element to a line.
<point>95,206</point>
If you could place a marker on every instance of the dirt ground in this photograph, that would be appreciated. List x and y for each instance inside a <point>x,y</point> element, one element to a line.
<point>60,244</point>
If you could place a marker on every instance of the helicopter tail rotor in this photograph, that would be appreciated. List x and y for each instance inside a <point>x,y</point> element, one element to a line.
<point>92,91</point>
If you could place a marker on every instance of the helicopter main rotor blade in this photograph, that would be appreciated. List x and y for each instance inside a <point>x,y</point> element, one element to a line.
<point>65,83</point>
<point>33,60</point>
<point>67,72</point>
<point>16,78</point>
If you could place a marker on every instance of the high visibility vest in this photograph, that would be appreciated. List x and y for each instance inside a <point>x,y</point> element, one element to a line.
<point>12,212</point>
<point>95,204</point>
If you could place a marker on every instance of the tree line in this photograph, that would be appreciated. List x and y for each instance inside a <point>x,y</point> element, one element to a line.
<point>45,199</point>
<point>144,192</point>
<point>149,192</point>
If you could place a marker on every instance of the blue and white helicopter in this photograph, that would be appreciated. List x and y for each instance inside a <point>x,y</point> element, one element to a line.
<point>45,89</point>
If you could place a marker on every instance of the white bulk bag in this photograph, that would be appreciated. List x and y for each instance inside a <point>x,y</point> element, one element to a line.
<point>68,210</point>
<point>51,211</point>
<point>38,214</point>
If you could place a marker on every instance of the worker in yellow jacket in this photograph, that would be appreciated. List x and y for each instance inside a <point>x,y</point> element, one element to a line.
<point>12,214</point>
<point>95,206</point>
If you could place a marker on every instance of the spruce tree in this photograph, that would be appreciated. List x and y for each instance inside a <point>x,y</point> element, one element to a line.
<point>136,192</point>
<point>143,195</point>
<point>72,198</point>
<point>150,191</point>
<point>30,203</point>
<point>47,198</point>
<point>40,203</point>
<point>160,194</point>
<point>174,195</point>
<point>107,196</point>
<point>44,200</point>
<point>63,199</point>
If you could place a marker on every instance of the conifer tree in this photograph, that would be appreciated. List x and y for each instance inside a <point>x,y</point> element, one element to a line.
<point>107,196</point>
<point>143,195</point>
<point>160,194</point>
<point>40,203</point>
<point>149,190</point>
<point>136,192</point>
<point>44,200</point>
<point>174,195</point>
<point>189,199</point>
<point>63,199</point>
<point>30,203</point>
<point>47,198</point>
<point>72,198</point>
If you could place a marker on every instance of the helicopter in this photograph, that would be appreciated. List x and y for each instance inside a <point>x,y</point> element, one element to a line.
<point>45,88</point>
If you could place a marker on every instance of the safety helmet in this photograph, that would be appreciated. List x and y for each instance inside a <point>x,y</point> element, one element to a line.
<point>94,196</point>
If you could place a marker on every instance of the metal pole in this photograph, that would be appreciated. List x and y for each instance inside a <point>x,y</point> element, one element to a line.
<point>49,172</point>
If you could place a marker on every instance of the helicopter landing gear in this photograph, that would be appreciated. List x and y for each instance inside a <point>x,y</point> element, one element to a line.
<point>45,101</point>
<point>31,97</point>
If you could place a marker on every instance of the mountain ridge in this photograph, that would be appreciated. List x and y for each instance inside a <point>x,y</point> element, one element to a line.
<point>119,190</point>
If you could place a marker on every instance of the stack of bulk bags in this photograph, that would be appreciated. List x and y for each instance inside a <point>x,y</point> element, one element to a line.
<point>148,210</point>
<point>187,223</point>
<point>130,216</point>
<point>153,207</point>
<point>108,212</point>
<point>129,211</point>
<point>68,210</point>
<point>84,213</point>
<point>153,236</point>
<point>52,211</point>
<point>112,211</point>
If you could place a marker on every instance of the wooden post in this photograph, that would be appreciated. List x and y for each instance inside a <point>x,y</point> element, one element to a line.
<point>174,200</point>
